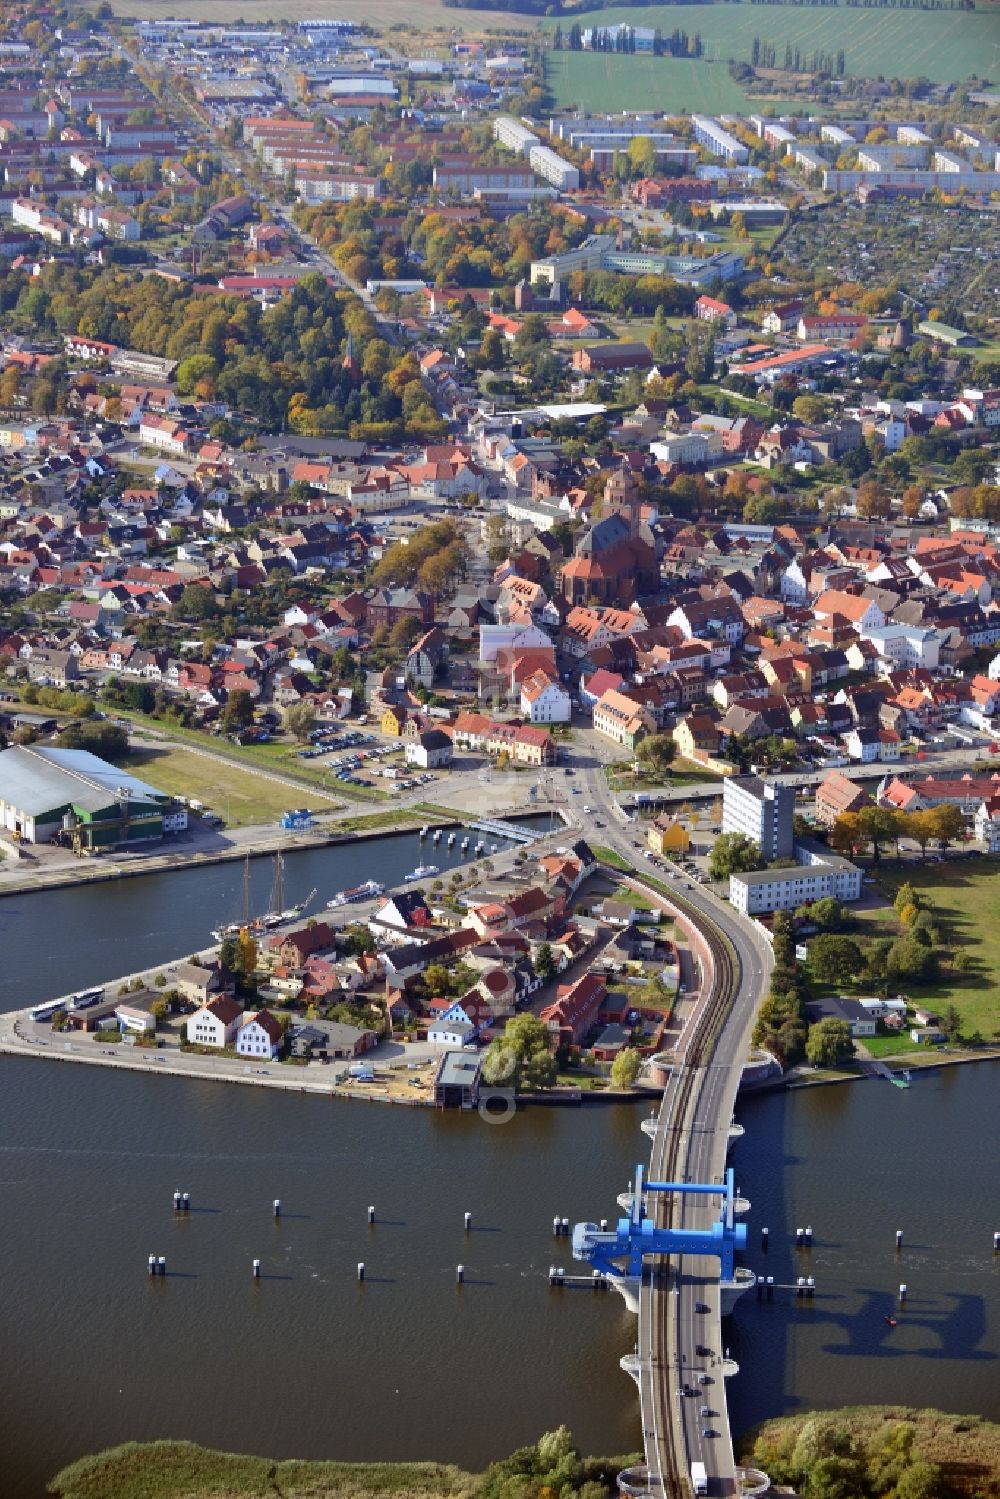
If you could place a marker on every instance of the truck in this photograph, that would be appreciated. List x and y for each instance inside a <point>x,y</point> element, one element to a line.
<point>699,1478</point>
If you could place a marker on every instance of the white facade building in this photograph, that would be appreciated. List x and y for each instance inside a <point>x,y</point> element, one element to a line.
<point>717,139</point>
<point>516,137</point>
<point>762,810</point>
<point>550,165</point>
<point>259,1036</point>
<point>786,889</point>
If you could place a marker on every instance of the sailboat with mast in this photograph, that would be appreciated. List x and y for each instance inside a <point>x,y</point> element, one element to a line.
<point>276,914</point>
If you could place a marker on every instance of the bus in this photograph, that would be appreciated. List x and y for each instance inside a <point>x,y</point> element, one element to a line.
<point>47,1010</point>
<point>85,998</point>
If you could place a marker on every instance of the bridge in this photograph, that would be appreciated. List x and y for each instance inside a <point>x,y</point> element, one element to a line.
<point>678,1244</point>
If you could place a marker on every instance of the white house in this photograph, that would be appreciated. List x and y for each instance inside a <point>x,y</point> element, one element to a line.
<point>215,1024</point>
<point>259,1036</point>
<point>904,645</point>
<point>872,745</point>
<point>432,751</point>
<point>451,1033</point>
<point>544,700</point>
<point>987,824</point>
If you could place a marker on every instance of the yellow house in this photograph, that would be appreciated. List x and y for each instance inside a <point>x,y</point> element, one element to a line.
<point>392,722</point>
<point>668,836</point>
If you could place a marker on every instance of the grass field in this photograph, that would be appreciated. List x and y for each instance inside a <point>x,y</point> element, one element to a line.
<point>945,46</point>
<point>608,81</point>
<point>966,895</point>
<point>237,795</point>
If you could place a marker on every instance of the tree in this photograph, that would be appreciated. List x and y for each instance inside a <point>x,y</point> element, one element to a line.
<point>238,711</point>
<point>625,1068</point>
<point>828,914</point>
<point>951,1023</point>
<point>835,1477</point>
<point>528,1038</point>
<point>734,853</point>
<point>873,501</point>
<point>404,633</point>
<point>300,720</point>
<point>545,965</point>
<point>499,1064</point>
<point>196,602</point>
<point>946,824</point>
<point>656,751</point>
<point>921,1480</point>
<point>835,960</point>
<point>905,896</point>
<point>910,960</point>
<point>829,1042</point>
<point>879,825</point>
<point>438,979</point>
<point>846,836</point>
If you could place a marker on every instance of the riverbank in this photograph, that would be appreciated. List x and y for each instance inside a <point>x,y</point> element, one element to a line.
<point>17,880</point>
<point>164,1470</point>
<point>953,1455</point>
<point>952,1056</point>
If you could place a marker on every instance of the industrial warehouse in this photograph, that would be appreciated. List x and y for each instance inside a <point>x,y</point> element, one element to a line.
<point>75,798</point>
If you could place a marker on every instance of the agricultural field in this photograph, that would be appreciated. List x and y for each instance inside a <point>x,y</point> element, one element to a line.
<point>611,82</point>
<point>945,46</point>
<point>387,15</point>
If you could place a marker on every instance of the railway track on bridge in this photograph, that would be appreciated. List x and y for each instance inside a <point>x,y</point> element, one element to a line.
<point>669,1471</point>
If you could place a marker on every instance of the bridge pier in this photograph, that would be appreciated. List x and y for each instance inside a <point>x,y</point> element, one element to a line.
<point>628,1287</point>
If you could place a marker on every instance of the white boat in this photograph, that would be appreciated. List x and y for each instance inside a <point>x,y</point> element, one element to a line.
<point>465,844</point>
<point>421,872</point>
<point>437,835</point>
<point>356,892</point>
<point>451,840</point>
<point>424,831</point>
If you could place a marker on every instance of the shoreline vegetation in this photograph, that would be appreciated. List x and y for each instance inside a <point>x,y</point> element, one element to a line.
<point>182,1470</point>
<point>870,1451</point>
<point>865,1452</point>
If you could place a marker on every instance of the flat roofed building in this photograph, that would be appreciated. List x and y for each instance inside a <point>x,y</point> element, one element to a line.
<point>762,810</point>
<point>456,1083</point>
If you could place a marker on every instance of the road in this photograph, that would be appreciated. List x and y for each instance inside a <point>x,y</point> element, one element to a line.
<point>691,1141</point>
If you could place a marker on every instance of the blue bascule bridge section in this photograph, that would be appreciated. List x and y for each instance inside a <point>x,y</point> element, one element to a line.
<point>636,1237</point>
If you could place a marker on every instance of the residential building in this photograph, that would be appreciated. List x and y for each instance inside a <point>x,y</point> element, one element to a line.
<point>798,885</point>
<point>835,795</point>
<point>668,836</point>
<point>216,1023</point>
<point>763,811</point>
<point>718,140</point>
<point>622,720</point>
<point>259,1036</point>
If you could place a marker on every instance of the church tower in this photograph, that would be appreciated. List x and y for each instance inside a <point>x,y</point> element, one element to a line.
<point>621,497</point>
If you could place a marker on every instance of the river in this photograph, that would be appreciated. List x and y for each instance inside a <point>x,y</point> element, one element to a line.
<point>307,1362</point>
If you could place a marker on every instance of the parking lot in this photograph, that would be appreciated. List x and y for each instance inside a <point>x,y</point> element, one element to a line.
<point>357,758</point>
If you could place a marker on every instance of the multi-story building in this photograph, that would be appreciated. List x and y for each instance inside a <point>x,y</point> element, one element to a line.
<point>464,174</point>
<point>554,168</point>
<point>717,139</point>
<point>763,811</point>
<point>516,137</point>
<point>798,885</point>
